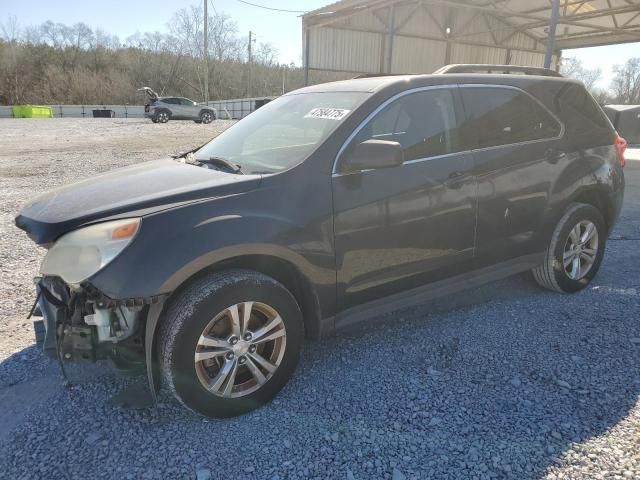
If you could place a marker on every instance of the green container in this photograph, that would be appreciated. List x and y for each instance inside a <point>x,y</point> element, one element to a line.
<point>32,111</point>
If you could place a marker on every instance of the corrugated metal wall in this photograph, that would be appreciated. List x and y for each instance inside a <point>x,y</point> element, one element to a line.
<point>411,56</point>
<point>345,50</point>
<point>359,43</point>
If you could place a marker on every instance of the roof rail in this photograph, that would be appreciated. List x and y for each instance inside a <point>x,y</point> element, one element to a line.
<point>373,75</point>
<point>501,69</point>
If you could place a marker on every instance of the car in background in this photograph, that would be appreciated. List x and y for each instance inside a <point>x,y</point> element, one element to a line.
<point>163,109</point>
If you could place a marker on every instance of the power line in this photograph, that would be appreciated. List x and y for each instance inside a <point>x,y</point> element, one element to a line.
<point>271,8</point>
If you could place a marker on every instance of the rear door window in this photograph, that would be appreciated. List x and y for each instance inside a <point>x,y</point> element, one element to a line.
<point>504,116</point>
<point>424,123</point>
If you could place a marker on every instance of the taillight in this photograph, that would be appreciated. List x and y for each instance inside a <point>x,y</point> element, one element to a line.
<point>621,145</point>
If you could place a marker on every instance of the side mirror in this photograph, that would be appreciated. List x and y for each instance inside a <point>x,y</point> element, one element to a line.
<point>374,154</point>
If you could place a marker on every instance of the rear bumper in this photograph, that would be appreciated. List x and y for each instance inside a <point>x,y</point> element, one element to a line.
<point>616,198</point>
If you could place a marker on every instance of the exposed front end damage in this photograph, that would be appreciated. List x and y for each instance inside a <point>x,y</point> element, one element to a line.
<point>82,324</point>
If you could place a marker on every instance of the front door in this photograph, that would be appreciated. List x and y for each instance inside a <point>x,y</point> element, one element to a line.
<point>402,227</point>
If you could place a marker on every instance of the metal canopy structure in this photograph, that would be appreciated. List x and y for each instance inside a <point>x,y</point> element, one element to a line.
<point>419,36</point>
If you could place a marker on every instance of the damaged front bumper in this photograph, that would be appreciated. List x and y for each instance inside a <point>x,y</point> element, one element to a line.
<point>82,324</point>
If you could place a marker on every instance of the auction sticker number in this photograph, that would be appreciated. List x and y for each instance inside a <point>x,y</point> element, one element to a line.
<point>328,113</point>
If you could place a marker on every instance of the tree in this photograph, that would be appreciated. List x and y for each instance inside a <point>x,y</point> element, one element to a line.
<point>626,82</point>
<point>10,29</point>
<point>574,68</point>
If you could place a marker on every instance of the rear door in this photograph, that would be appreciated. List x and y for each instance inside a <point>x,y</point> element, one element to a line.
<point>174,106</point>
<point>401,227</point>
<point>518,153</point>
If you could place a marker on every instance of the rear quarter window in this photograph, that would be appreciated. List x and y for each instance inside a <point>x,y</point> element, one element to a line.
<point>582,116</point>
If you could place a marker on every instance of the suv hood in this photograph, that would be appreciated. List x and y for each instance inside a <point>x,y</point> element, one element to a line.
<point>137,190</point>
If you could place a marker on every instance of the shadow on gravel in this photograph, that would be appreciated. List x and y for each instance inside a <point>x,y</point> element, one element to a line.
<point>500,382</point>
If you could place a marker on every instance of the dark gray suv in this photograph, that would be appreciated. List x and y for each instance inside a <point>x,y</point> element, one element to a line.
<point>327,206</point>
<point>163,109</point>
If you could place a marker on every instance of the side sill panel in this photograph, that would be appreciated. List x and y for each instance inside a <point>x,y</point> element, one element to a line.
<point>426,293</point>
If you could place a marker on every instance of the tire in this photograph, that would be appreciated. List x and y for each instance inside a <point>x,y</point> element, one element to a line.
<point>207,116</point>
<point>206,304</point>
<point>554,274</point>
<point>163,116</point>
<point>154,120</point>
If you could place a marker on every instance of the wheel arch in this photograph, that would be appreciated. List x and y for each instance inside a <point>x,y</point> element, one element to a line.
<point>162,110</point>
<point>284,271</point>
<point>600,198</point>
<point>210,110</point>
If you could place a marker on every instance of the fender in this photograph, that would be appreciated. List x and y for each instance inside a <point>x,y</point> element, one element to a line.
<point>586,172</point>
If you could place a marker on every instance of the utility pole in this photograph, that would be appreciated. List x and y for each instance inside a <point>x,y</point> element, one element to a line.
<point>206,53</point>
<point>251,40</point>
<point>284,78</point>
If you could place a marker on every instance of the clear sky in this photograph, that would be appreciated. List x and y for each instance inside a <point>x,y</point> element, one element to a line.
<point>283,30</point>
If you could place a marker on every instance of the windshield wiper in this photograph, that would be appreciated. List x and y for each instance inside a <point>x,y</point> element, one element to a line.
<point>221,163</point>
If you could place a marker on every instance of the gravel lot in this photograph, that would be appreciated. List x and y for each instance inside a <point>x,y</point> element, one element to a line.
<point>504,381</point>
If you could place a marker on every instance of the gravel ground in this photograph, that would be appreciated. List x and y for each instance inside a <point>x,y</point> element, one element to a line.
<point>505,381</point>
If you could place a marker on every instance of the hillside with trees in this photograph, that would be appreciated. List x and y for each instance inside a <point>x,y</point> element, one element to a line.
<point>53,63</point>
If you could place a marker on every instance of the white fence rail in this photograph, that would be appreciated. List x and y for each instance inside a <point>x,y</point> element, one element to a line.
<point>235,108</point>
<point>61,111</point>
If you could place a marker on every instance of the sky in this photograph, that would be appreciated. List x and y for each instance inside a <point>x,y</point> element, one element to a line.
<point>283,30</point>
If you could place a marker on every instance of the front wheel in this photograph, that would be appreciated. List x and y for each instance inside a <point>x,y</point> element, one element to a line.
<point>230,342</point>
<point>575,252</point>
<point>206,117</point>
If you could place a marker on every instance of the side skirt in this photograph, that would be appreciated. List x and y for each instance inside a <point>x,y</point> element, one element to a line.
<point>431,291</point>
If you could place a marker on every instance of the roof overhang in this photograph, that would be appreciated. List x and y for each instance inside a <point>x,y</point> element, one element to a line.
<point>582,23</point>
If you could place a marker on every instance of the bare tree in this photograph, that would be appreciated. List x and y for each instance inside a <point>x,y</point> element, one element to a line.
<point>626,83</point>
<point>266,54</point>
<point>574,68</point>
<point>10,29</point>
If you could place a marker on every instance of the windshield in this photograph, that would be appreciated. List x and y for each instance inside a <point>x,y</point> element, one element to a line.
<point>283,132</point>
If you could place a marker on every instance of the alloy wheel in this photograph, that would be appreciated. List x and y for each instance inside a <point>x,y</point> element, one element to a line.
<point>240,349</point>
<point>580,250</point>
<point>206,118</point>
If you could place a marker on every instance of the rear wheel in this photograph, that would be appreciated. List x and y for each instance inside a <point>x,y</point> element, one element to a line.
<point>575,252</point>
<point>162,116</point>
<point>230,342</point>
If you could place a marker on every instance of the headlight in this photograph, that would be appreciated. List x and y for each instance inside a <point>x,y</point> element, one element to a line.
<point>81,253</point>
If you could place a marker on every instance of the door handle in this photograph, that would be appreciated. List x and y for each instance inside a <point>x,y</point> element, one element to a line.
<point>554,156</point>
<point>455,179</point>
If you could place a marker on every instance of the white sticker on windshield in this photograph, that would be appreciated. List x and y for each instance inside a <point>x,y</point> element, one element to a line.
<point>328,113</point>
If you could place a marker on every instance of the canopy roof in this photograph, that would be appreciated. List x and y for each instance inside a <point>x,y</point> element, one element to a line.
<point>582,23</point>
